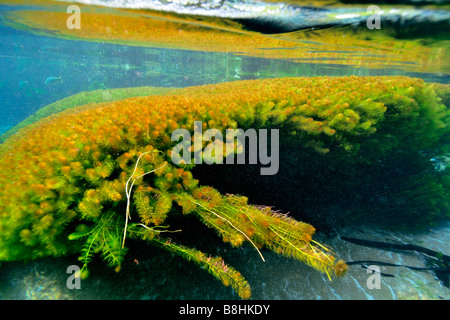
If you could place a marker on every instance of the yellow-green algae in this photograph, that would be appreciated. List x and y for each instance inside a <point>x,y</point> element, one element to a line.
<point>66,179</point>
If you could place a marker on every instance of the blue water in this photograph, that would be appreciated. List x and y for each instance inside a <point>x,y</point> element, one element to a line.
<point>28,60</point>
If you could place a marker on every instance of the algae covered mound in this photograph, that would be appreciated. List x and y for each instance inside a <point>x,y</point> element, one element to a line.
<point>88,178</point>
<point>84,98</point>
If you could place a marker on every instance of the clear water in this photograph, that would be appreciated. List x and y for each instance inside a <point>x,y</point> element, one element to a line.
<point>29,56</point>
<point>30,59</point>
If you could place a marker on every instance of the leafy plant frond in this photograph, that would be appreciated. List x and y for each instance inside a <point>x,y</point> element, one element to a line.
<point>214,265</point>
<point>103,238</point>
<point>237,222</point>
<point>145,211</point>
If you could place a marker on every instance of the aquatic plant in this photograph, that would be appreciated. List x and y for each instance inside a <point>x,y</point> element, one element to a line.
<point>396,175</point>
<point>85,97</point>
<point>88,178</point>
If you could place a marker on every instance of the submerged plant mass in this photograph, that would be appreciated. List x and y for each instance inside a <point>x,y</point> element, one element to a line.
<point>88,178</point>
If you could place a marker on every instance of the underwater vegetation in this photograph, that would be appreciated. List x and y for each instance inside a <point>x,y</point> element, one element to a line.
<point>82,98</point>
<point>90,177</point>
<point>397,177</point>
